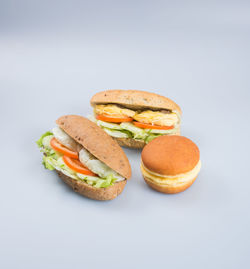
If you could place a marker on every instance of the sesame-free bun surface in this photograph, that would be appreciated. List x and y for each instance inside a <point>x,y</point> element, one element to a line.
<point>170,155</point>
<point>97,142</point>
<point>134,99</point>
<point>91,192</point>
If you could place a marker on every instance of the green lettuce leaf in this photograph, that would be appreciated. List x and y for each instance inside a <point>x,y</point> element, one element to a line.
<point>47,164</point>
<point>137,133</point>
<point>53,160</point>
<point>109,125</point>
<point>131,131</point>
<point>40,140</point>
<point>114,129</point>
<point>151,137</point>
<point>119,134</point>
<point>105,183</point>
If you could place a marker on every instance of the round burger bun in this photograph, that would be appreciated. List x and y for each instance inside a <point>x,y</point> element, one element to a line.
<point>170,164</point>
<point>135,100</point>
<point>101,194</point>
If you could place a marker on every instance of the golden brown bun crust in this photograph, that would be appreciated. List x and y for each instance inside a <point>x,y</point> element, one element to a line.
<point>130,143</point>
<point>169,189</point>
<point>134,99</point>
<point>91,192</point>
<point>97,142</point>
<point>135,144</point>
<point>170,155</point>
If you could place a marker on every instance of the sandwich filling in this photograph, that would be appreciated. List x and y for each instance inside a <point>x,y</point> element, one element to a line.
<point>164,180</point>
<point>143,125</point>
<point>64,154</point>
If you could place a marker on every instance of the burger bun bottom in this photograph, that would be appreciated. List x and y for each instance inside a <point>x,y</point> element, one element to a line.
<point>169,189</point>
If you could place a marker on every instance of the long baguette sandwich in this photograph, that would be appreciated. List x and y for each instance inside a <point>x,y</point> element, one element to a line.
<point>85,158</point>
<point>133,117</point>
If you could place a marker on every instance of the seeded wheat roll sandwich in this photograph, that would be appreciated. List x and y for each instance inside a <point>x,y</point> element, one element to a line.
<point>134,118</point>
<point>170,164</point>
<point>85,158</point>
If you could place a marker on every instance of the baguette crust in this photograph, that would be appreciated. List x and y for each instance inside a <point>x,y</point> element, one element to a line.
<point>134,99</point>
<point>130,143</point>
<point>169,189</point>
<point>101,194</point>
<point>97,142</point>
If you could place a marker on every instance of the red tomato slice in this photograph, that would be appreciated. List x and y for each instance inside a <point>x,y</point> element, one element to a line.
<point>77,166</point>
<point>150,126</point>
<point>110,119</point>
<point>62,149</point>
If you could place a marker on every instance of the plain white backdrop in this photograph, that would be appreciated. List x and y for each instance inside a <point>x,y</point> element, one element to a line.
<point>53,57</point>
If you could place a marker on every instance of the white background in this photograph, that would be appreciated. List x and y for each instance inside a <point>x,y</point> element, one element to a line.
<point>53,57</point>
